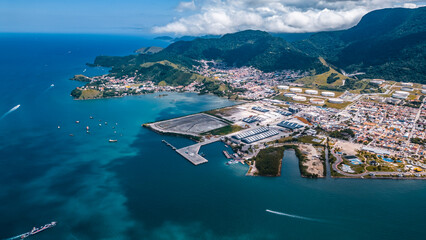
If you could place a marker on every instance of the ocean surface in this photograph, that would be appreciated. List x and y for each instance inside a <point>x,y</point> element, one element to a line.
<point>138,188</point>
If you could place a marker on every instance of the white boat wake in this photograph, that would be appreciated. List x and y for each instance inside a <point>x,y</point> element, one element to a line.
<point>296,216</point>
<point>16,237</point>
<point>50,87</point>
<point>10,111</point>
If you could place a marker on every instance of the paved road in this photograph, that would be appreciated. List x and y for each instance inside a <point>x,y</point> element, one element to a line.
<point>415,120</point>
<point>340,160</point>
<point>327,164</point>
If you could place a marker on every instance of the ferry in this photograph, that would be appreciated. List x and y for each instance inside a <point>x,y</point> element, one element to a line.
<point>34,231</point>
<point>113,140</point>
<point>37,230</point>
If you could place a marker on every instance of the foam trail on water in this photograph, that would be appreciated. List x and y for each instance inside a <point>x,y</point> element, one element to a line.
<point>295,216</point>
<point>13,238</point>
<point>10,111</point>
<point>47,89</point>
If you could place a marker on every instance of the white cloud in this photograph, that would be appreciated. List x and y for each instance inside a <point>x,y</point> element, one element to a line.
<point>409,5</point>
<point>224,16</point>
<point>184,6</point>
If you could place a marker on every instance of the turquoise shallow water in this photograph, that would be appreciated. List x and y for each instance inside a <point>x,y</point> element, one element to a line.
<point>139,188</point>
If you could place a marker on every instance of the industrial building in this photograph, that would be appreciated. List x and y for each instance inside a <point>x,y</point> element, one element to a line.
<point>312,92</point>
<point>252,119</point>
<point>377,81</point>
<point>317,101</point>
<point>260,109</point>
<point>408,89</point>
<point>284,113</point>
<point>298,98</point>
<point>328,94</point>
<point>335,100</point>
<point>283,87</point>
<point>260,136</point>
<point>296,90</point>
<point>250,133</point>
<point>289,125</point>
<point>293,109</point>
<point>400,94</point>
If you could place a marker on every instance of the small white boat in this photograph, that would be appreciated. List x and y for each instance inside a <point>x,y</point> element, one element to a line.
<point>113,140</point>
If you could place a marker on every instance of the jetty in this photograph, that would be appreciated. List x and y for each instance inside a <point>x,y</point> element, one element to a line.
<point>190,153</point>
<point>168,144</point>
<point>227,154</point>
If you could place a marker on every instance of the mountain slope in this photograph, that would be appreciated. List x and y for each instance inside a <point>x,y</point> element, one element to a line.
<point>387,43</point>
<point>248,48</point>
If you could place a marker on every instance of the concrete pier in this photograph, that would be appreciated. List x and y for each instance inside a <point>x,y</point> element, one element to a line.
<point>191,152</point>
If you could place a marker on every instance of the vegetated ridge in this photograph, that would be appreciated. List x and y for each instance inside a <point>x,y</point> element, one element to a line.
<point>387,43</point>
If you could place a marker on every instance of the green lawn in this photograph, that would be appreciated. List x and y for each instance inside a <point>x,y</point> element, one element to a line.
<point>225,130</point>
<point>337,105</point>
<point>90,94</point>
<point>308,139</point>
<point>357,168</point>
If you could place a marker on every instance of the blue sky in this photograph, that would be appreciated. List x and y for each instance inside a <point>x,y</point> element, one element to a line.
<point>188,17</point>
<point>99,16</point>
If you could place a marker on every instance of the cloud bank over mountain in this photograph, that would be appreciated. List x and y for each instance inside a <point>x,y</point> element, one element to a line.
<point>291,16</point>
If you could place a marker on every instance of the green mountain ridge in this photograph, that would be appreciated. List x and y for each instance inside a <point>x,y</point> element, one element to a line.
<point>387,43</point>
<point>247,48</point>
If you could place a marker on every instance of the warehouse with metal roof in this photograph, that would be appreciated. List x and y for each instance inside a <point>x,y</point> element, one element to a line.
<point>284,113</point>
<point>289,125</point>
<point>260,136</point>
<point>251,119</point>
<point>251,133</point>
<point>260,109</point>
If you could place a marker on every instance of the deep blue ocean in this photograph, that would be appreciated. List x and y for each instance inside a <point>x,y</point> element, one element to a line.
<point>138,188</point>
